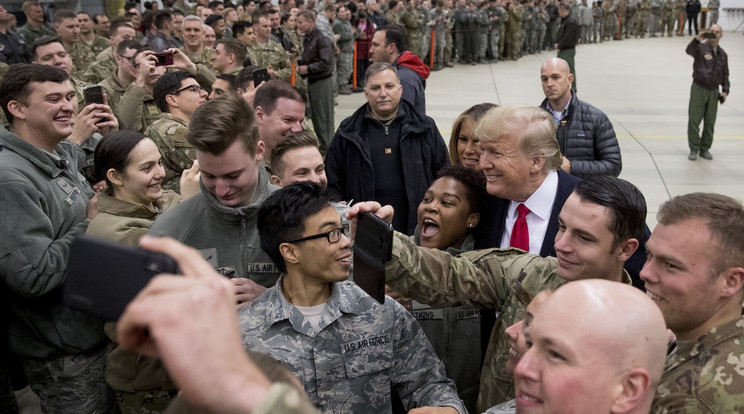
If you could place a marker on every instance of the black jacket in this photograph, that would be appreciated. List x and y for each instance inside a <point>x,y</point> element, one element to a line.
<point>710,67</point>
<point>587,139</point>
<point>568,33</point>
<point>349,167</point>
<point>317,54</point>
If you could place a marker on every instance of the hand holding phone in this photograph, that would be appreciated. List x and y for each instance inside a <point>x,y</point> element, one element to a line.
<point>103,277</point>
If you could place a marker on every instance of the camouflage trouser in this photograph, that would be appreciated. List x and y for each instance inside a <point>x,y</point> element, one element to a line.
<point>502,42</point>
<point>668,24</point>
<point>71,384</point>
<point>713,17</point>
<point>344,67</point>
<point>597,31</point>
<point>493,46</point>
<point>447,46</point>
<point>514,41</point>
<point>459,44</point>
<point>540,38</point>
<point>482,45</point>
<point>423,50</point>
<point>415,46</point>
<point>145,402</point>
<point>440,48</point>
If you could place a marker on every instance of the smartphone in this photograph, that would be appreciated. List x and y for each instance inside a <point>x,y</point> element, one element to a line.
<point>260,75</point>
<point>164,58</point>
<point>93,94</point>
<point>103,277</point>
<point>709,35</point>
<point>373,247</point>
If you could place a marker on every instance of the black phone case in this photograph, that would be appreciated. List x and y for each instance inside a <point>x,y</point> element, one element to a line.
<point>103,277</point>
<point>93,95</point>
<point>373,247</point>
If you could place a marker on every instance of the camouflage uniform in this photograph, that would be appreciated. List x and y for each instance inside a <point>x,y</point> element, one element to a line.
<point>273,54</point>
<point>501,280</point>
<point>137,109</point>
<point>598,14</point>
<point>82,58</point>
<point>496,15</point>
<point>668,18</point>
<point>440,28</point>
<point>114,89</point>
<point>705,375</point>
<point>99,45</point>
<point>621,11</point>
<point>361,349</point>
<point>185,8</point>
<point>642,16</point>
<point>514,31</point>
<point>345,57</point>
<point>392,17</point>
<point>415,23</point>
<point>542,28</point>
<point>680,15</point>
<point>205,57</point>
<point>169,134</point>
<point>629,25</point>
<point>30,35</point>
<point>484,27</point>
<point>610,20</point>
<point>509,407</point>
<point>448,42</point>
<point>527,29</point>
<point>104,66</point>
<point>281,398</point>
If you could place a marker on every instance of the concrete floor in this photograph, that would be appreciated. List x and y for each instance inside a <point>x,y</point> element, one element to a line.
<point>643,86</point>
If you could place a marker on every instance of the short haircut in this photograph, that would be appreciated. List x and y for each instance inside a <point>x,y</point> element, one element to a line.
<point>16,86</point>
<point>282,215</point>
<point>245,77</point>
<point>43,41</point>
<point>214,4</point>
<point>240,27</point>
<point>96,17</point>
<point>221,123</point>
<point>284,18</point>
<point>63,14</point>
<point>27,5</point>
<point>117,23</point>
<point>473,114</point>
<point>148,20</point>
<point>294,140</point>
<point>161,18</point>
<point>191,18</point>
<point>307,15</point>
<point>329,7</point>
<point>564,6</point>
<point>129,44</point>
<point>234,47</point>
<point>473,180</point>
<point>625,202</point>
<point>397,35</point>
<point>166,85</point>
<point>175,12</point>
<point>268,94</point>
<point>532,128</point>
<point>230,79</point>
<point>113,151</point>
<point>212,19</point>
<point>724,217</point>
<point>378,67</point>
<point>85,13</point>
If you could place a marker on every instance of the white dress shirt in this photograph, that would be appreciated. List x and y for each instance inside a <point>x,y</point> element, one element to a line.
<point>540,204</point>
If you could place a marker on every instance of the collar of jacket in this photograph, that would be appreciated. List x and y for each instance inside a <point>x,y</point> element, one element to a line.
<point>249,212</point>
<point>107,203</point>
<point>351,126</point>
<point>705,343</point>
<point>279,308</point>
<point>51,165</point>
<point>571,105</point>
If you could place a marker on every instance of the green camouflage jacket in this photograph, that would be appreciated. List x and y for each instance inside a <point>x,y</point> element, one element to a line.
<point>114,90</point>
<point>273,54</point>
<point>494,279</point>
<point>99,45</point>
<point>705,375</point>
<point>82,58</point>
<point>137,109</point>
<point>205,57</point>
<point>103,67</point>
<point>169,134</point>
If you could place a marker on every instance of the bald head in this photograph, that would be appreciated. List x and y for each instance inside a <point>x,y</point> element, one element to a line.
<point>597,347</point>
<point>718,32</point>
<point>556,81</point>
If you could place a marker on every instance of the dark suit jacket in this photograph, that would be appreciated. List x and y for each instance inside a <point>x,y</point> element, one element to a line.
<point>493,216</point>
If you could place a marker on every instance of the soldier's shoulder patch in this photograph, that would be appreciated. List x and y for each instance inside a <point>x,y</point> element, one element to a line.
<point>708,56</point>
<point>179,134</point>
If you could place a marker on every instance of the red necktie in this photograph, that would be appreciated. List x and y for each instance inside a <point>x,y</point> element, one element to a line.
<point>520,237</point>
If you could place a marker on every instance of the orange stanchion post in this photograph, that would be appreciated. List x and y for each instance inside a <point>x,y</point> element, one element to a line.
<point>354,66</point>
<point>431,54</point>
<point>292,76</point>
<point>681,23</point>
<point>619,24</point>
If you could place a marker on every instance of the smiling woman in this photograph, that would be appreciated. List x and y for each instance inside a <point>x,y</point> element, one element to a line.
<point>129,162</point>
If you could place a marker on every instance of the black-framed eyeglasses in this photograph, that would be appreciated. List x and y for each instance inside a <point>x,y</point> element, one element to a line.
<point>333,235</point>
<point>190,88</point>
<point>129,58</point>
